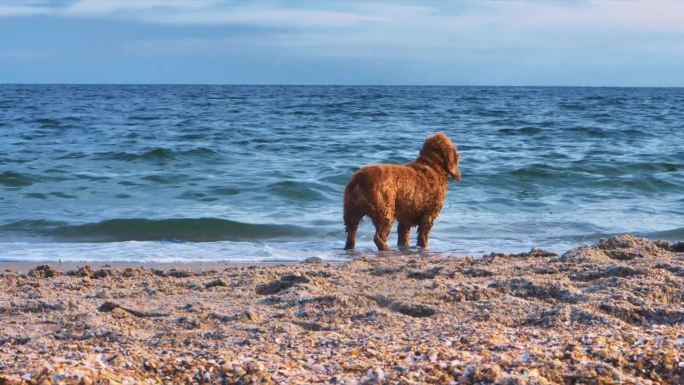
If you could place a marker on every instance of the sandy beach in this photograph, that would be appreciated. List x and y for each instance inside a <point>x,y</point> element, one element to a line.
<point>610,313</point>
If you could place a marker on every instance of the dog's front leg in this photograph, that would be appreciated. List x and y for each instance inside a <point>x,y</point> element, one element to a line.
<point>404,236</point>
<point>382,229</point>
<point>424,233</point>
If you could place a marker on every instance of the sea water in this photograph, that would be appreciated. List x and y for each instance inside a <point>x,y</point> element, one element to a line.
<point>256,173</point>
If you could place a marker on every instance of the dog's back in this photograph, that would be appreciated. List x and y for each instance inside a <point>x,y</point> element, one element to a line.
<point>400,190</point>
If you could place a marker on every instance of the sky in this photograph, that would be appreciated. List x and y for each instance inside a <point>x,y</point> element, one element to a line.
<point>562,43</point>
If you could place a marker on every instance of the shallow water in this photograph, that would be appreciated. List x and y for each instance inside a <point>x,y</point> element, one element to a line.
<point>163,173</point>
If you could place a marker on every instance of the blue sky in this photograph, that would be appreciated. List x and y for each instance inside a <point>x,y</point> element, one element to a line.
<point>593,43</point>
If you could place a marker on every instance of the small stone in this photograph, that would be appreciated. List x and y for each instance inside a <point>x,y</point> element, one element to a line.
<point>175,273</point>
<point>83,271</point>
<point>214,283</point>
<point>316,367</point>
<point>188,323</point>
<point>250,315</point>
<point>379,375</point>
<point>108,307</point>
<point>43,271</point>
<point>284,283</point>
<point>663,244</point>
<point>256,367</point>
<point>102,273</point>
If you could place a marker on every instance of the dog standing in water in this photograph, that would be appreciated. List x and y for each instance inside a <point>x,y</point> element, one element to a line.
<point>412,193</point>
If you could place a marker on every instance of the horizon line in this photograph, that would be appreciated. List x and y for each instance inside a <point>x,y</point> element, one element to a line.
<point>323,85</point>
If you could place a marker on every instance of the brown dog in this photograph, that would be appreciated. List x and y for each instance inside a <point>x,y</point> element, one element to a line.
<point>411,193</point>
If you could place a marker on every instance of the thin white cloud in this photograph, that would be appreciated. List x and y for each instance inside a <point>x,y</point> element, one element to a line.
<point>654,15</point>
<point>208,12</point>
<point>270,17</point>
<point>19,9</point>
<point>133,9</point>
<point>436,31</point>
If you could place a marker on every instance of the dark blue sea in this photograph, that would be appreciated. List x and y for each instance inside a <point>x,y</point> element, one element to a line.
<point>256,173</point>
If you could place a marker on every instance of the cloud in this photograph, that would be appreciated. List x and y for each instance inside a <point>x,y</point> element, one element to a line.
<point>503,41</point>
<point>270,17</point>
<point>195,12</point>
<point>23,9</point>
<point>655,15</point>
<point>132,9</point>
<point>444,32</point>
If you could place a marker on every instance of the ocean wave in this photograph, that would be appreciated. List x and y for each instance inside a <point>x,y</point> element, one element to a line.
<point>197,196</point>
<point>574,106</point>
<point>157,154</point>
<point>225,191</point>
<point>36,195</point>
<point>602,168</point>
<point>15,179</point>
<point>593,132</point>
<point>172,252</point>
<point>143,117</point>
<point>339,179</point>
<point>651,183</point>
<point>30,225</point>
<point>672,235</point>
<point>141,229</point>
<point>47,122</point>
<point>657,167</point>
<point>296,190</point>
<point>527,130</point>
<point>72,155</point>
<point>493,113</point>
<point>193,136</point>
<point>538,170</point>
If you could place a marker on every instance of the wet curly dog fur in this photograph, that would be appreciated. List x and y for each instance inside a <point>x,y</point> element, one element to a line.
<point>412,194</point>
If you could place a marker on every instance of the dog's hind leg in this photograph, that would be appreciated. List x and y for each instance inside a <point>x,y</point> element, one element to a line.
<point>404,233</point>
<point>351,224</point>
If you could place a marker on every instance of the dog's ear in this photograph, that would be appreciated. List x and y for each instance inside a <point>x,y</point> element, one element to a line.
<point>450,156</point>
<point>456,159</point>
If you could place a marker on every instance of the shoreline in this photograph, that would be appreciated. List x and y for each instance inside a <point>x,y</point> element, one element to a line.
<point>605,313</point>
<point>25,267</point>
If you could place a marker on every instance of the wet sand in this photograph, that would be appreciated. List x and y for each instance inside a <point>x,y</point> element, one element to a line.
<point>602,314</point>
<point>25,267</point>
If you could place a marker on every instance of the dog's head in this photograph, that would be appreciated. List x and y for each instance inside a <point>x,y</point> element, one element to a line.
<point>441,150</point>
